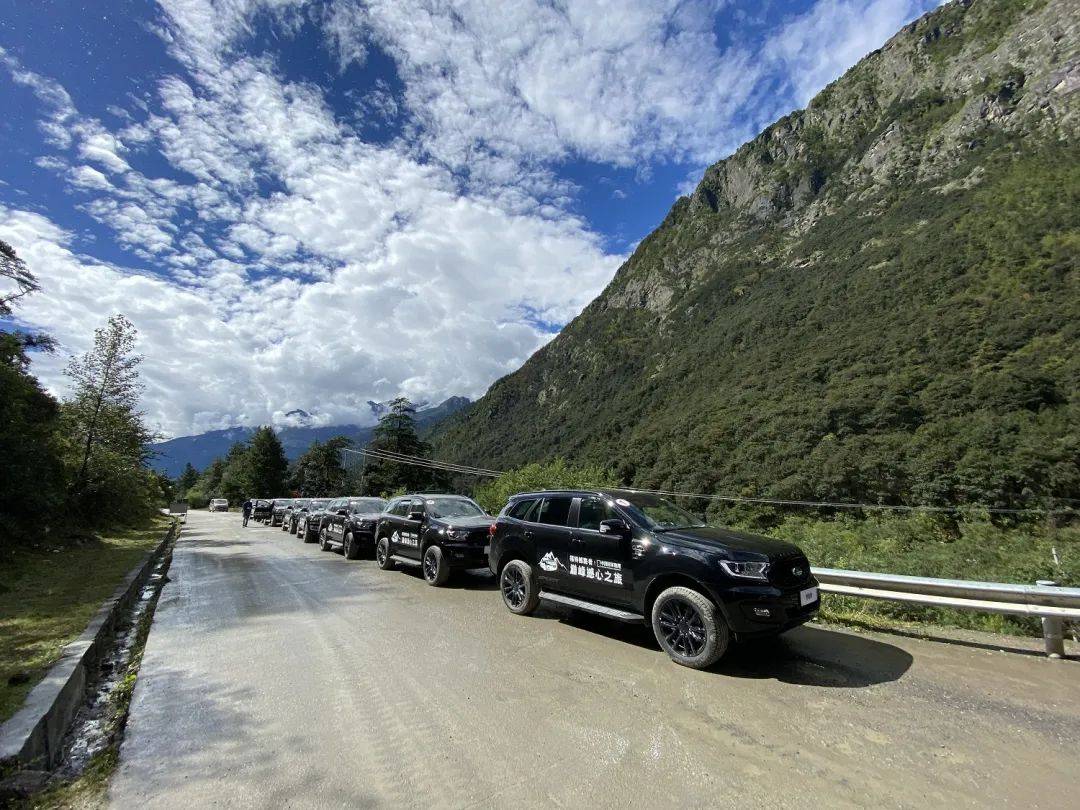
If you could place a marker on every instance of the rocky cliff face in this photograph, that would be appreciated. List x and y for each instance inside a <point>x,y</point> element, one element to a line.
<point>867,278</point>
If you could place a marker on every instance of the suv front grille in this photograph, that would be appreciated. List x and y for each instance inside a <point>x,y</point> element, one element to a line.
<point>789,571</point>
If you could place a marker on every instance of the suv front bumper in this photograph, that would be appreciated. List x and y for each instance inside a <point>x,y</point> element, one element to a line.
<point>465,555</point>
<point>763,610</point>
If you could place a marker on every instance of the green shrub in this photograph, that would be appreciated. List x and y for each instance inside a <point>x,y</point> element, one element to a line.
<point>556,474</point>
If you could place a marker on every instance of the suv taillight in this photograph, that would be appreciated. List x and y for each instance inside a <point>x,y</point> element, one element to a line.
<point>491,530</point>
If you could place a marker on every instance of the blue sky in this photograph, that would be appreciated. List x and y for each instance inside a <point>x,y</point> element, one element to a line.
<point>389,197</point>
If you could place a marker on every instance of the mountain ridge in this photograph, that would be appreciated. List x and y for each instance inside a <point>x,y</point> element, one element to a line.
<point>201,449</point>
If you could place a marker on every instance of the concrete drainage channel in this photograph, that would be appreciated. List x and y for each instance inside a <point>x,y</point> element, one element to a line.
<point>78,718</point>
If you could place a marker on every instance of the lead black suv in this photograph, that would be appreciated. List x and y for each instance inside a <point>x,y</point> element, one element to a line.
<point>641,558</point>
<point>350,525</point>
<point>439,533</point>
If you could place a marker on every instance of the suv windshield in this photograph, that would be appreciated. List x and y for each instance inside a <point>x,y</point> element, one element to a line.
<point>318,503</point>
<point>367,505</point>
<point>453,507</point>
<point>656,513</point>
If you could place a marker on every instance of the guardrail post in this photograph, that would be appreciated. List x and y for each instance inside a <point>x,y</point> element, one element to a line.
<point>1053,628</point>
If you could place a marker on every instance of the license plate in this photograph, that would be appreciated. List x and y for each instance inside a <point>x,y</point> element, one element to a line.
<point>807,597</point>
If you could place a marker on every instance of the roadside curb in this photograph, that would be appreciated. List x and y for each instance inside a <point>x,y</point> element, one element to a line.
<point>33,736</point>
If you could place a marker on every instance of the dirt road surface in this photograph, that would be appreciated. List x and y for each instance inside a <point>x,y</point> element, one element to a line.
<point>279,675</point>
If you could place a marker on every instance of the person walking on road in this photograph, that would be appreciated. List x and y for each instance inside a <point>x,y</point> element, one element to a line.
<point>247,510</point>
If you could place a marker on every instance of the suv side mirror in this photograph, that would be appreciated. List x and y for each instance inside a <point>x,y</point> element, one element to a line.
<point>615,528</point>
<point>417,514</point>
<point>342,511</point>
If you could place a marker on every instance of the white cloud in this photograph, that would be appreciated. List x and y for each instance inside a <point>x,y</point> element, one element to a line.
<point>812,50</point>
<point>283,242</point>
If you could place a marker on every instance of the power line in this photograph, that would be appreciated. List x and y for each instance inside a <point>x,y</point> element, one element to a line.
<point>420,461</point>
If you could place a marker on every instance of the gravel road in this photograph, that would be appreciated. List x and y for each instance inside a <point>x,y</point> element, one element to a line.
<point>278,675</point>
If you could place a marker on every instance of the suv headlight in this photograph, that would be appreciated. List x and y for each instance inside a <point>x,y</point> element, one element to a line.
<point>746,570</point>
<point>457,534</point>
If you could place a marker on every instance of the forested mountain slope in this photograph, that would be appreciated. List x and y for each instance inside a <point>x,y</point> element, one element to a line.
<point>875,299</point>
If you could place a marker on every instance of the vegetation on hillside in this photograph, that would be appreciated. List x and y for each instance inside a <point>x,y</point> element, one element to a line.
<point>875,301</point>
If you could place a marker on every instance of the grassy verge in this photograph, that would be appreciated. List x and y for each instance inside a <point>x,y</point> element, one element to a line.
<point>933,546</point>
<point>49,595</point>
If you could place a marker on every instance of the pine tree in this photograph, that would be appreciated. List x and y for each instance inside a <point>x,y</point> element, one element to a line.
<point>186,479</point>
<point>320,472</point>
<point>267,465</point>
<point>235,482</point>
<point>396,433</point>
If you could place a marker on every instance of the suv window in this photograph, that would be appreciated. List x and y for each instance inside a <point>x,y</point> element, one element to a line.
<point>592,511</point>
<point>554,511</point>
<point>401,508</point>
<point>365,505</point>
<point>520,509</point>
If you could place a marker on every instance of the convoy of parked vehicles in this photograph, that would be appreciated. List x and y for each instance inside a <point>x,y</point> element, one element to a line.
<point>625,555</point>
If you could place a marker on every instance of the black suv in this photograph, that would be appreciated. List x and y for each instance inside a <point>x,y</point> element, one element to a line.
<point>309,523</point>
<point>350,525</point>
<point>277,511</point>
<point>641,558</point>
<point>295,516</point>
<point>288,523</point>
<point>437,532</point>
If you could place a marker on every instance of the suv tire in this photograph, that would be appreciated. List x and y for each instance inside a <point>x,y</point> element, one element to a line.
<point>324,543</point>
<point>382,554</point>
<point>350,548</point>
<point>690,627</point>
<point>436,568</point>
<point>307,534</point>
<point>519,588</point>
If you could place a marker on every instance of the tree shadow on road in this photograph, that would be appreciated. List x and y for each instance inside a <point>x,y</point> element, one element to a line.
<point>808,656</point>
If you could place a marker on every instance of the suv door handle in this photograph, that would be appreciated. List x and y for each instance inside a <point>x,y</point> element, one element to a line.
<point>528,534</point>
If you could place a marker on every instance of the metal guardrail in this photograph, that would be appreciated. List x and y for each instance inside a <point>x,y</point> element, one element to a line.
<point>1044,599</point>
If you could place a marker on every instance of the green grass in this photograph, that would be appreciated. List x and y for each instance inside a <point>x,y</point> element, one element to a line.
<point>49,594</point>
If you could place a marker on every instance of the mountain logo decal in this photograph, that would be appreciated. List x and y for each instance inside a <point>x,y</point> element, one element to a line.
<point>548,562</point>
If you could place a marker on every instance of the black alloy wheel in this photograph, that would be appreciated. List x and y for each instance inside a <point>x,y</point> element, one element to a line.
<point>518,587</point>
<point>690,627</point>
<point>382,554</point>
<point>350,548</point>
<point>683,627</point>
<point>513,587</point>
<point>436,569</point>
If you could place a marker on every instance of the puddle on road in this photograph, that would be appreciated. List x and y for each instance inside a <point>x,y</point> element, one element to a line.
<point>100,722</point>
